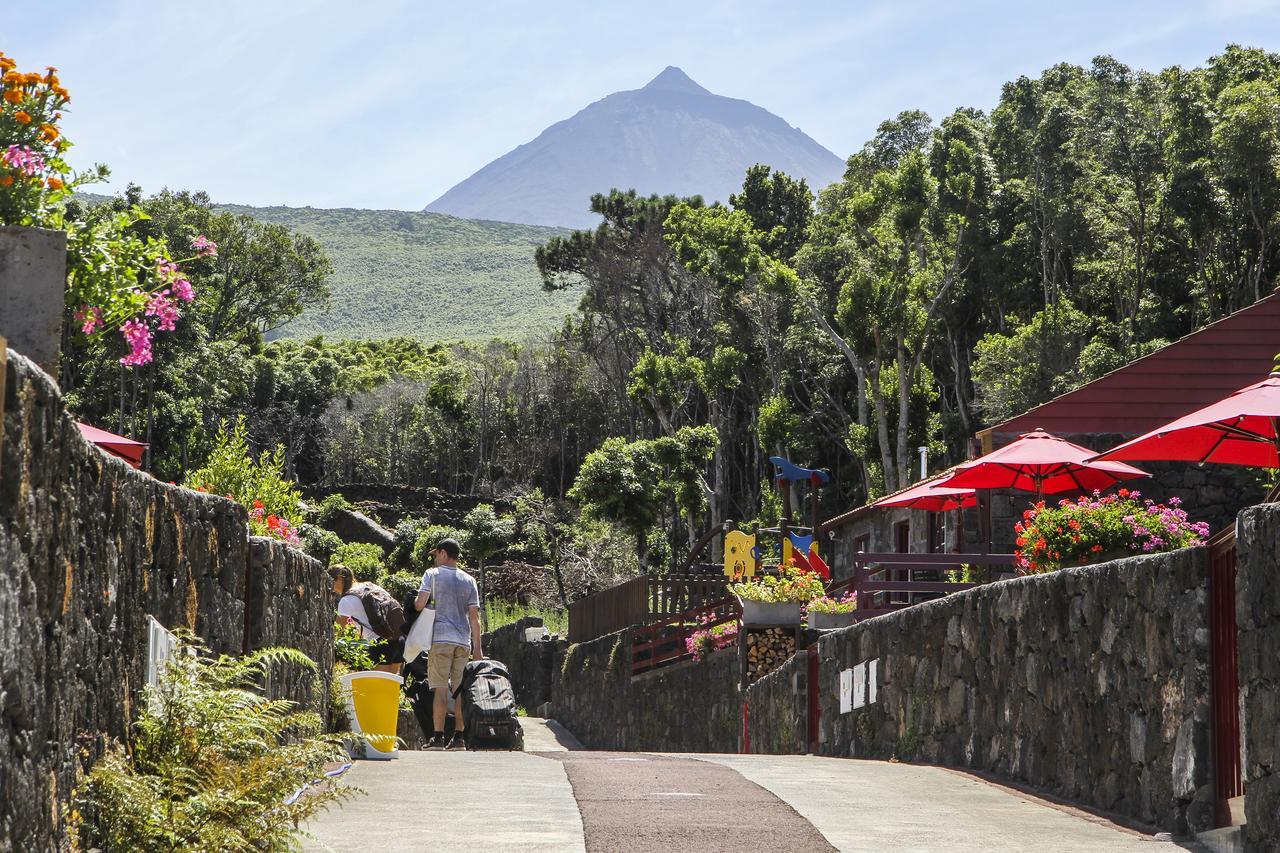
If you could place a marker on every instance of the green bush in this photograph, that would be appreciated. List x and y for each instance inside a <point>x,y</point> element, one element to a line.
<point>400,584</point>
<point>232,471</point>
<point>349,649</point>
<point>320,543</point>
<point>428,537</point>
<point>329,505</point>
<point>364,560</point>
<point>212,765</point>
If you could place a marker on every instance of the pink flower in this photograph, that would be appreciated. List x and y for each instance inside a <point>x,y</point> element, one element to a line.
<point>23,159</point>
<point>89,318</point>
<point>138,336</point>
<point>166,269</point>
<point>205,248</point>
<point>162,307</point>
<point>182,289</point>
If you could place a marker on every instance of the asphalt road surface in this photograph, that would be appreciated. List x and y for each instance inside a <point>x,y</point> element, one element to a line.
<point>556,797</point>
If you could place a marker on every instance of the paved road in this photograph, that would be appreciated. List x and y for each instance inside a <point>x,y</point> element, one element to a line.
<point>554,798</point>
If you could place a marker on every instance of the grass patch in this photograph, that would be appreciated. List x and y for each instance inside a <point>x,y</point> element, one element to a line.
<point>499,613</point>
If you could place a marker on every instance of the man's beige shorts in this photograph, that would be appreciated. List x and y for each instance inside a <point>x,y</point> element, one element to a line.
<point>445,663</point>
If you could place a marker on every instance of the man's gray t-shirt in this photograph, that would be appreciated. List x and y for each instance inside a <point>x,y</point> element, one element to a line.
<point>455,593</point>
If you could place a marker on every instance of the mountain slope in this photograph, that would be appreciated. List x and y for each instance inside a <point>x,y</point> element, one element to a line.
<point>672,136</point>
<point>423,275</point>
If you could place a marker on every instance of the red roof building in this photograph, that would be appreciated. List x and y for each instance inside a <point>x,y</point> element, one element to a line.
<point>1201,368</point>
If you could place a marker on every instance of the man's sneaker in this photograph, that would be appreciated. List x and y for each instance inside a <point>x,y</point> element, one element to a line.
<point>436,742</point>
<point>458,742</point>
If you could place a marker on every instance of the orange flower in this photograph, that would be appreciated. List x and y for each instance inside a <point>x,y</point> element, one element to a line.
<point>14,78</point>
<point>61,92</point>
<point>23,117</point>
<point>48,132</point>
<point>13,96</point>
<point>55,183</point>
<point>32,79</point>
<point>6,181</point>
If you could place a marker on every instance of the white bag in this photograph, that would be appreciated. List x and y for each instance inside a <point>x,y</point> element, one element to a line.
<point>419,639</point>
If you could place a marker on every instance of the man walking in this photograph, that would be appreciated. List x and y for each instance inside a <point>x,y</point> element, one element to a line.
<point>455,636</point>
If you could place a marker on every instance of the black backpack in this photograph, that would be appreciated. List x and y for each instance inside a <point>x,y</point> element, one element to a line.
<point>489,706</point>
<point>385,615</point>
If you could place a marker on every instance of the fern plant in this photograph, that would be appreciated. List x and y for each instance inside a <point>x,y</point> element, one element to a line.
<point>214,764</point>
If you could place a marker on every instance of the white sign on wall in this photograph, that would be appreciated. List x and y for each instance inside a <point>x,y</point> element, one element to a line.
<point>846,691</point>
<point>858,686</point>
<point>160,647</point>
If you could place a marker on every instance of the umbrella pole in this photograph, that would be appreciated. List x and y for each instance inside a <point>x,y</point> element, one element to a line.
<point>984,520</point>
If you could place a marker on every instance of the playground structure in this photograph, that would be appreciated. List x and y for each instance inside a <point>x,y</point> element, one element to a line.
<point>665,611</point>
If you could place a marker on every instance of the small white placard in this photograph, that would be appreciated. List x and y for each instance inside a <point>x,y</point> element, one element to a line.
<point>846,691</point>
<point>871,680</point>
<point>859,685</point>
<point>161,644</point>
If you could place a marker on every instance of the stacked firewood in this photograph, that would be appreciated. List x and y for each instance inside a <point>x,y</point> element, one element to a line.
<point>768,649</point>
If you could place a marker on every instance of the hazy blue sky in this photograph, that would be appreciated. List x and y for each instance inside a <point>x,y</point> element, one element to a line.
<point>388,104</point>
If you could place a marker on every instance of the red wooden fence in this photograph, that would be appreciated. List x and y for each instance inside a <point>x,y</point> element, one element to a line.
<point>1227,781</point>
<point>664,642</point>
<point>888,582</point>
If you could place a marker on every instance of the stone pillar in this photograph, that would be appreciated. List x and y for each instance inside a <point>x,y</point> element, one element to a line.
<point>1258,626</point>
<point>33,280</point>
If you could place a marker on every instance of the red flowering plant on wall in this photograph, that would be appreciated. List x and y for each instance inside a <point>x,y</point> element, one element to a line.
<point>117,281</point>
<point>1081,531</point>
<point>704,641</point>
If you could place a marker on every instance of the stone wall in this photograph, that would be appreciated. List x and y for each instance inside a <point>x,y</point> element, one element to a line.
<point>1090,683</point>
<point>1258,618</point>
<point>88,548</point>
<point>391,503</point>
<point>290,605</point>
<point>531,664</point>
<point>688,707</point>
<point>778,710</point>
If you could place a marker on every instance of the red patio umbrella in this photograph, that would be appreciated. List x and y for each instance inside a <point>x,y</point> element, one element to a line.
<point>117,445</point>
<point>1240,430</point>
<point>931,497</point>
<point>1043,463</point>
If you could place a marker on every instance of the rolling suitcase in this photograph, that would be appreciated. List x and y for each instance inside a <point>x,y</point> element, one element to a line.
<point>489,706</point>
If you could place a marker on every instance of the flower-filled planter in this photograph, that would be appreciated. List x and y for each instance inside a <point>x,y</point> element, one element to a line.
<point>111,276</point>
<point>704,641</point>
<point>828,612</point>
<point>777,599</point>
<point>1096,528</point>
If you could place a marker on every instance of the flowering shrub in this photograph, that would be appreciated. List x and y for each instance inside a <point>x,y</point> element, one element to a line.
<point>704,641</point>
<point>1075,532</point>
<point>116,280</point>
<point>274,503</point>
<point>847,603</point>
<point>789,585</point>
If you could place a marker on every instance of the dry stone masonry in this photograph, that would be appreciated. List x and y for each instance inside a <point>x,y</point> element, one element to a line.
<point>689,707</point>
<point>1258,617</point>
<point>1091,683</point>
<point>89,548</point>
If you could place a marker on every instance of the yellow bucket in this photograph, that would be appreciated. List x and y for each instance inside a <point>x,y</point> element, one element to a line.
<point>373,706</point>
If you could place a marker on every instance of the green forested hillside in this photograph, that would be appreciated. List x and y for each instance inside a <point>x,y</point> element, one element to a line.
<point>423,275</point>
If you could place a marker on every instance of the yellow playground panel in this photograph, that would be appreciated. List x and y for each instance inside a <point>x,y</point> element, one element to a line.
<point>739,562</point>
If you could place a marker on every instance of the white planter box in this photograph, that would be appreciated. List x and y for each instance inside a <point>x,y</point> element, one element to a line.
<point>770,612</point>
